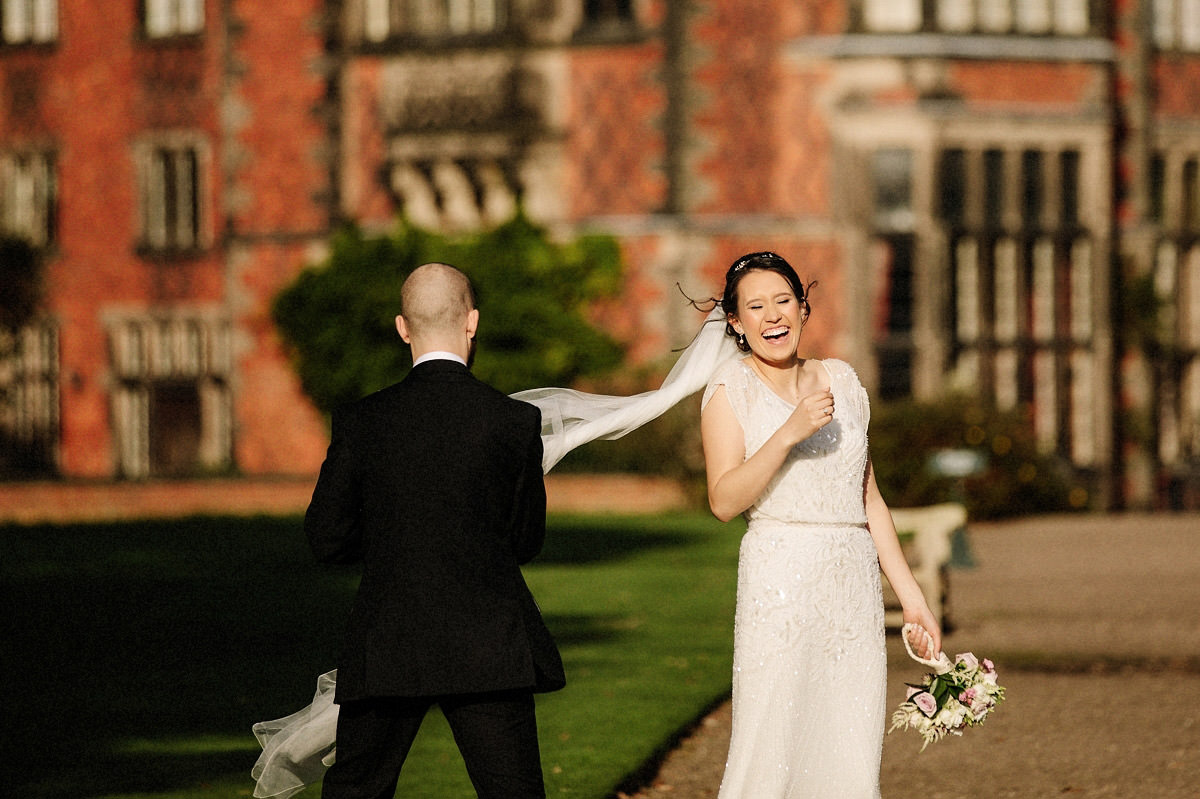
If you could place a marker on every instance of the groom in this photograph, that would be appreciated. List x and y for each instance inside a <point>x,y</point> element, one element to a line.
<point>435,485</point>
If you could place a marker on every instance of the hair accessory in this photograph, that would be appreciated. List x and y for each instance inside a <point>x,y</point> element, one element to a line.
<point>747,260</point>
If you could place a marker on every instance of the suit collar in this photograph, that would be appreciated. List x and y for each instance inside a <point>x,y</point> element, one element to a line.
<point>439,366</point>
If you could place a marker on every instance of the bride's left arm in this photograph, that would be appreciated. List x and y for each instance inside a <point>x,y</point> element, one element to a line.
<point>894,565</point>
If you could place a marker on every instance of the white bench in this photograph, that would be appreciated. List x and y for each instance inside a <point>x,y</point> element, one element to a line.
<point>925,537</point>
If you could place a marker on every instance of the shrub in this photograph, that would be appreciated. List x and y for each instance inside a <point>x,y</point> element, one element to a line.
<point>1016,478</point>
<point>337,318</point>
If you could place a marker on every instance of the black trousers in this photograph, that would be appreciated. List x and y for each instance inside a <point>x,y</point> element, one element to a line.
<point>496,734</point>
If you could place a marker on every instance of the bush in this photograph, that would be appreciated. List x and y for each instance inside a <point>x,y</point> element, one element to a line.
<point>337,318</point>
<point>1015,478</point>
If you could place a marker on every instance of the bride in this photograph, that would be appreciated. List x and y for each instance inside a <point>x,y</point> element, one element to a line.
<point>785,445</point>
<point>298,748</point>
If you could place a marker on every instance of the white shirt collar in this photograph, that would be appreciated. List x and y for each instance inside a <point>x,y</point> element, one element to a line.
<point>439,355</point>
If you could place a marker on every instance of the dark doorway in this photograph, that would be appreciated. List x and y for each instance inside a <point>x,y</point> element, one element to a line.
<point>174,429</point>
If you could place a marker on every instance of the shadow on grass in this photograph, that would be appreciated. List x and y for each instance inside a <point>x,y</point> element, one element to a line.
<point>579,541</point>
<point>138,655</point>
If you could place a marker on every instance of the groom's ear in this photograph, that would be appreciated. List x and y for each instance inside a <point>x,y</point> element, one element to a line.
<point>472,322</point>
<point>402,329</point>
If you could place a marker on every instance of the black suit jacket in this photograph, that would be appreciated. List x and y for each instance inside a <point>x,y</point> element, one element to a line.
<point>436,485</point>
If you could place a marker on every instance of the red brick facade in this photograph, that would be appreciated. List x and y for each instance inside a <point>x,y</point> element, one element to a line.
<point>615,138</point>
<point>966,197</point>
<point>244,96</point>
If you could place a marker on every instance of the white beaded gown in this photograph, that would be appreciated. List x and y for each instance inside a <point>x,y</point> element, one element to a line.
<point>809,661</point>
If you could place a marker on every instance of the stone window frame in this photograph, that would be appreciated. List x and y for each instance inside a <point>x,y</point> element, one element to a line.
<point>168,19</point>
<point>894,241</point>
<point>29,194</point>
<point>183,346</point>
<point>1175,274</point>
<point>1176,24</point>
<point>24,22</point>
<point>383,20</point>
<point>1065,18</point>
<point>1023,316</point>
<point>30,401</point>
<point>173,192</point>
<point>1045,249</point>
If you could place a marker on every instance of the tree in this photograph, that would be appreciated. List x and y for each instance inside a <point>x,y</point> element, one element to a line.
<point>337,317</point>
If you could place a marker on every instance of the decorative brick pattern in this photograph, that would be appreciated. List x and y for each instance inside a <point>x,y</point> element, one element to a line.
<point>740,78</point>
<point>1177,81</point>
<point>804,160</point>
<point>615,134</point>
<point>1018,83</point>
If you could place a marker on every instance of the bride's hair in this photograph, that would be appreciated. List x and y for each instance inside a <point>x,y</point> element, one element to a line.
<point>759,262</point>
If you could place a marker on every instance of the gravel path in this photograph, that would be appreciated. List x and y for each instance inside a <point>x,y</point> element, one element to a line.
<point>1094,625</point>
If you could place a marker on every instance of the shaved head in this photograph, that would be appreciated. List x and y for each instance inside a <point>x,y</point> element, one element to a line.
<point>435,300</point>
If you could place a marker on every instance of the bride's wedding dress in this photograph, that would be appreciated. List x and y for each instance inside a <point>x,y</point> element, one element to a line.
<point>809,655</point>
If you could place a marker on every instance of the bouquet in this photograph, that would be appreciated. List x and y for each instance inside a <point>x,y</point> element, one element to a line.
<point>956,695</point>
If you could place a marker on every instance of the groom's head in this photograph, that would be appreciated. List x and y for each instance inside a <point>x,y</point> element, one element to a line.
<point>437,311</point>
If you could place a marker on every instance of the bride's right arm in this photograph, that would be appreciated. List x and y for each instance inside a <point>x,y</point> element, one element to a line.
<point>734,482</point>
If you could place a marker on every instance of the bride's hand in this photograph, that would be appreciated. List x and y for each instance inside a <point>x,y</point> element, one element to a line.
<point>811,414</point>
<point>926,640</point>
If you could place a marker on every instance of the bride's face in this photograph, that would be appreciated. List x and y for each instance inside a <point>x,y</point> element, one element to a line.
<point>769,316</point>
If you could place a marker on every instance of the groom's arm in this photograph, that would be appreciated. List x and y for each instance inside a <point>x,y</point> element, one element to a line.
<point>528,523</point>
<point>332,522</point>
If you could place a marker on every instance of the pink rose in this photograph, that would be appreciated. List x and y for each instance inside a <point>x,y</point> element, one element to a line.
<point>925,703</point>
<point>988,665</point>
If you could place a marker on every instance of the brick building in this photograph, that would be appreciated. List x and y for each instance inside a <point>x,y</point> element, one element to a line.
<point>981,188</point>
<point>168,157</point>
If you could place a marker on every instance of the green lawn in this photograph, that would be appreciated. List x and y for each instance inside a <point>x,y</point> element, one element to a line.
<point>138,655</point>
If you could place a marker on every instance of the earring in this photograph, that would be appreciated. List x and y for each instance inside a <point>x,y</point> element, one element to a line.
<point>741,339</point>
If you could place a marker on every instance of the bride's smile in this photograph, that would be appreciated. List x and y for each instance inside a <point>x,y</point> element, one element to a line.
<point>770,316</point>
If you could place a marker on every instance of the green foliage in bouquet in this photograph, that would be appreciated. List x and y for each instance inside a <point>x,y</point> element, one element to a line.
<point>1015,479</point>
<point>337,317</point>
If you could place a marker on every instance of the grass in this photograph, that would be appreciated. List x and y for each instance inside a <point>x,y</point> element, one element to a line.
<point>138,655</point>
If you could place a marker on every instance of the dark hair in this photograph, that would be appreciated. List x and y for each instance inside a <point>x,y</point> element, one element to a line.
<point>760,262</point>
